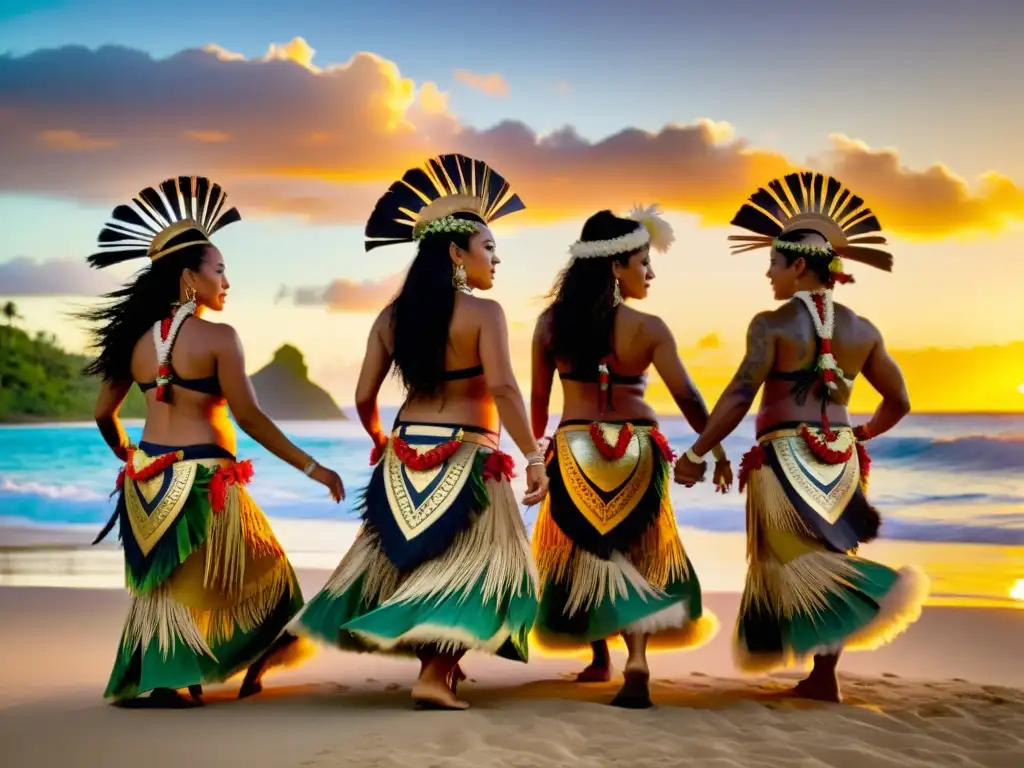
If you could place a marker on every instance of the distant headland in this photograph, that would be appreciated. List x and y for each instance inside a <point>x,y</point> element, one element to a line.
<point>40,382</point>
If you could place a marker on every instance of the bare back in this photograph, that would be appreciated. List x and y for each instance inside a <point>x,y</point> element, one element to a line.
<point>635,337</point>
<point>466,398</point>
<point>791,391</point>
<point>192,417</point>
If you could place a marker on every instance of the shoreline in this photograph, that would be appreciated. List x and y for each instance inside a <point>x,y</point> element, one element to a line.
<point>962,574</point>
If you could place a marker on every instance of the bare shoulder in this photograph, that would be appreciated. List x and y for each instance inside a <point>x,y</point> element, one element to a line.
<point>542,328</point>
<point>220,334</point>
<point>865,329</point>
<point>772,321</point>
<point>484,309</point>
<point>384,318</point>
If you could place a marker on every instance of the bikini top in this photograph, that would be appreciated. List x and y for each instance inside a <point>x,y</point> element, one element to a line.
<point>463,373</point>
<point>207,385</point>
<point>591,377</point>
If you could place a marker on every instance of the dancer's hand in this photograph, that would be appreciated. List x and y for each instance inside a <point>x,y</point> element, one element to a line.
<point>688,473</point>
<point>723,476</point>
<point>536,484</point>
<point>331,479</point>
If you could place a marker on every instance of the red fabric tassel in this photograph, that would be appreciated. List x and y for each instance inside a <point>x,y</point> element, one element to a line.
<point>239,473</point>
<point>377,453</point>
<point>865,460</point>
<point>663,445</point>
<point>752,460</point>
<point>499,465</point>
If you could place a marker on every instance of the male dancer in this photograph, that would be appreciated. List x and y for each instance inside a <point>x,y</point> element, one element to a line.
<point>807,594</point>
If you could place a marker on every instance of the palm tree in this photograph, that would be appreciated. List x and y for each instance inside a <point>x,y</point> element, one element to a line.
<point>10,313</point>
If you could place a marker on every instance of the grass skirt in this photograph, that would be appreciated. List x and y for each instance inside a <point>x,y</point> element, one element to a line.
<point>608,551</point>
<point>210,593</point>
<point>802,598</point>
<point>478,592</point>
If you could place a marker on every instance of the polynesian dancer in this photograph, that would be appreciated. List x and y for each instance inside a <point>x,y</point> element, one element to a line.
<point>211,586</point>
<point>808,595</point>
<point>442,564</point>
<point>608,551</point>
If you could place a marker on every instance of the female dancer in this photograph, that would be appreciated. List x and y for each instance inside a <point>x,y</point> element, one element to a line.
<point>211,587</point>
<point>442,564</point>
<point>607,548</point>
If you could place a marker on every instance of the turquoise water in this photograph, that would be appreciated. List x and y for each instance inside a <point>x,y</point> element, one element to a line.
<point>935,478</point>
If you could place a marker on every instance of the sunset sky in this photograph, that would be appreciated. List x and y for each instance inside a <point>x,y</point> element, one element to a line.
<point>306,112</point>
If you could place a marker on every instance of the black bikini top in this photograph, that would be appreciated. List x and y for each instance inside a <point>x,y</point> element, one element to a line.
<point>207,385</point>
<point>463,373</point>
<point>592,377</point>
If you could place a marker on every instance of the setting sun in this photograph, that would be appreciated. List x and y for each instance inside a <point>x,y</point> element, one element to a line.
<point>1020,388</point>
<point>1017,591</point>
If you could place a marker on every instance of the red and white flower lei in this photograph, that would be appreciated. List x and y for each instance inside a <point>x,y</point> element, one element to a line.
<point>164,333</point>
<point>823,313</point>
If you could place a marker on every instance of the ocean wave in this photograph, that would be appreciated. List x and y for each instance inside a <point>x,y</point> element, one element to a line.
<point>48,490</point>
<point>978,453</point>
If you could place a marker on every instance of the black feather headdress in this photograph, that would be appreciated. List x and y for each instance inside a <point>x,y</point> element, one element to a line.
<point>445,185</point>
<point>187,209</point>
<point>814,201</point>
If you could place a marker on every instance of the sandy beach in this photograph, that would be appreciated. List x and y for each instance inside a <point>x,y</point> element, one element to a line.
<point>949,692</point>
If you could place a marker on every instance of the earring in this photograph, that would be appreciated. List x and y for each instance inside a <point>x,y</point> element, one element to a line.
<point>617,295</point>
<point>459,279</point>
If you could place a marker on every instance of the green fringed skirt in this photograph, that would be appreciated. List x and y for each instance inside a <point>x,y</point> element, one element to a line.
<point>441,560</point>
<point>210,586</point>
<point>607,547</point>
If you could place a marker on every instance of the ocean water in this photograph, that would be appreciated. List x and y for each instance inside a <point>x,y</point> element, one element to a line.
<point>946,478</point>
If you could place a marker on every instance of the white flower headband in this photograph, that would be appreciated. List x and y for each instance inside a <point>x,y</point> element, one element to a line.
<point>654,230</point>
<point>445,225</point>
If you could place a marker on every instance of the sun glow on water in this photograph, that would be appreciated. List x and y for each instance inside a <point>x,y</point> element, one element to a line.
<point>1017,591</point>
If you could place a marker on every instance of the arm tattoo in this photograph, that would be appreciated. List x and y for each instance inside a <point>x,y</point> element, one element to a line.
<point>750,375</point>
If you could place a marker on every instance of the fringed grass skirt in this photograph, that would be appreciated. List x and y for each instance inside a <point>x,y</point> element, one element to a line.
<point>441,559</point>
<point>211,587</point>
<point>607,547</point>
<point>806,592</point>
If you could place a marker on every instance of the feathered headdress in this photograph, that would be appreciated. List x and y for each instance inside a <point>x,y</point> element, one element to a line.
<point>813,201</point>
<point>187,204</point>
<point>426,199</point>
<point>654,230</point>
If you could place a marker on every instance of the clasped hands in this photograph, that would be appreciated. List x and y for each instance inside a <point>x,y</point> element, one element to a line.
<point>689,473</point>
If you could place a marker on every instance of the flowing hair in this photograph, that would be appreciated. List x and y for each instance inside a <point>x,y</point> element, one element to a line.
<point>132,310</point>
<point>422,312</point>
<point>582,310</point>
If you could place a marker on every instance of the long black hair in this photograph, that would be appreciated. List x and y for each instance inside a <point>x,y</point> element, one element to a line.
<point>131,311</point>
<point>422,312</point>
<point>582,311</point>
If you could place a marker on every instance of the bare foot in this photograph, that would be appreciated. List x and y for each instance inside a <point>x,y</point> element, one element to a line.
<point>455,677</point>
<point>431,695</point>
<point>595,673</point>
<point>819,688</point>
<point>635,692</point>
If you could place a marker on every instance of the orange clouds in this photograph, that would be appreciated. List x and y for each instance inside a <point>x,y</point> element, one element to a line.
<point>491,85</point>
<point>288,136</point>
<point>347,295</point>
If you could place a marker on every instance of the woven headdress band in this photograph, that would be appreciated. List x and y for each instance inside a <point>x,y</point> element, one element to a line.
<point>812,201</point>
<point>186,209</point>
<point>428,200</point>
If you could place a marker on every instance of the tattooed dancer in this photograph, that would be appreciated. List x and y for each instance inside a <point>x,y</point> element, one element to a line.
<point>808,596</point>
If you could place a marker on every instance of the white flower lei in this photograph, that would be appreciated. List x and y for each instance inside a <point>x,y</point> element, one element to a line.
<point>163,346</point>
<point>824,328</point>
